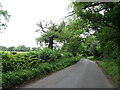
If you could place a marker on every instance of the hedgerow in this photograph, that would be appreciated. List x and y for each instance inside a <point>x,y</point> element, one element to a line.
<point>20,68</point>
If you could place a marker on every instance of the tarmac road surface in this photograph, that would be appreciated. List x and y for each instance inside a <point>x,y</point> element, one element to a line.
<point>84,74</point>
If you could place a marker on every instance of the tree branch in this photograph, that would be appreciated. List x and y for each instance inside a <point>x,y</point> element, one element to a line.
<point>73,12</point>
<point>95,4</point>
<point>41,26</point>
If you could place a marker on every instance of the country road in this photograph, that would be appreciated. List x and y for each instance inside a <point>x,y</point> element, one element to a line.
<point>84,74</point>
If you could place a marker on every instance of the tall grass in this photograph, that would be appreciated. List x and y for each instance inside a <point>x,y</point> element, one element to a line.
<point>112,69</point>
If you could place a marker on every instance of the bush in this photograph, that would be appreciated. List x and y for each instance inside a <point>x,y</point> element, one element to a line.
<point>90,57</point>
<point>67,54</point>
<point>57,54</point>
<point>20,61</point>
<point>13,78</point>
<point>80,55</point>
<point>47,55</point>
<point>12,62</point>
<point>22,67</point>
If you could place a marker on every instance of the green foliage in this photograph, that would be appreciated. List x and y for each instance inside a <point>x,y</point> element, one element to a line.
<point>11,48</point>
<point>67,54</point>
<point>80,37</point>
<point>107,28</point>
<point>72,38</point>
<point>21,67</point>
<point>12,78</point>
<point>3,48</point>
<point>22,48</point>
<point>91,57</point>
<point>51,31</point>
<point>46,54</point>
<point>92,49</point>
<point>112,69</point>
<point>14,62</point>
<point>101,39</point>
<point>73,47</point>
<point>3,16</point>
<point>49,55</point>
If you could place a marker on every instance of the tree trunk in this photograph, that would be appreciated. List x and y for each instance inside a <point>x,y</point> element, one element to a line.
<point>50,43</point>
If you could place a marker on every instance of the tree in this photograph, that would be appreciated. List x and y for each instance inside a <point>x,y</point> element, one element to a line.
<point>107,28</point>
<point>34,48</point>
<point>3,48</point>
<point>11,48</point>
<point>4,16</point>
<point>73,40</point>
<point>51,31</point>
<point>22,48</point>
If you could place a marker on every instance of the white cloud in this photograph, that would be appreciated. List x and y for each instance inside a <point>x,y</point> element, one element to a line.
<point>24,16</point>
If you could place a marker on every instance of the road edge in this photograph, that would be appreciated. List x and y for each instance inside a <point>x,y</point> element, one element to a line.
<point>111,81</point>
<point>41,77</point>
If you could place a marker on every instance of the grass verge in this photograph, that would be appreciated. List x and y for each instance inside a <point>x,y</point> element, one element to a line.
<point>112,69</point>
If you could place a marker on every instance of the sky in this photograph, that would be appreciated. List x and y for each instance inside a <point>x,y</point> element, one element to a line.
<point>25,14</point>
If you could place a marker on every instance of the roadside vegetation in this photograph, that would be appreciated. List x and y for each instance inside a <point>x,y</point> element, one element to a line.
<point>112,69</point>
<point>103,44</point>
<point>91,30</point>
<point>19,68</point>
